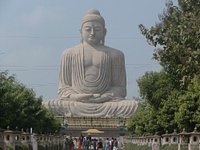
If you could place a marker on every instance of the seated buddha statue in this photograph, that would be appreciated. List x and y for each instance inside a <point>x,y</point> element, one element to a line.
<point>92,78</point>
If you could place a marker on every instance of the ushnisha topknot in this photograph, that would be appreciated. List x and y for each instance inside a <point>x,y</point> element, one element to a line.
<point>93,15</point>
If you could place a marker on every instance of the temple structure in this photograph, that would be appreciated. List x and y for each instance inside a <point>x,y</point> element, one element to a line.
<point>92,81</point>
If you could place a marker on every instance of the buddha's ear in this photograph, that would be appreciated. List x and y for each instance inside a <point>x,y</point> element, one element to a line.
<point>81,35</point>
<point>105,31</point>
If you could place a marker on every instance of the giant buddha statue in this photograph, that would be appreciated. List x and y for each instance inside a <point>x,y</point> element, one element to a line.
<point>92,79</point>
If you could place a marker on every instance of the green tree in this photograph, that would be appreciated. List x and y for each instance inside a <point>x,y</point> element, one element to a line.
<point>157,112</point>
<point>177,38</point>
<point>19,107</point>
<point>187,115</point>
<point>174,91</point>
<point>166,113</point>
<point>145,121</point>
<point>154,87</point>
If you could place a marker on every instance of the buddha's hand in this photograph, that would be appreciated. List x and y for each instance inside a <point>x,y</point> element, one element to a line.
<point>109,95</point>
<point>96,95</point>
<point>81,96</point>
<point>97,98</point>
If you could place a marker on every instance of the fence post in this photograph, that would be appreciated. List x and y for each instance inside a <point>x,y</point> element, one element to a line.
<point>156,142</point>
<point>184,140</point>
<point>194,140</point>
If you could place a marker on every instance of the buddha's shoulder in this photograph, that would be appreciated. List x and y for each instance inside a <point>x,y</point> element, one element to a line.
<point>72,50</point>
<point>114,52</point>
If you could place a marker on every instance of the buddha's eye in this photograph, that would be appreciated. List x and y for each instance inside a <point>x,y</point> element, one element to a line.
<point>87,29</point>
<point>97,29</point>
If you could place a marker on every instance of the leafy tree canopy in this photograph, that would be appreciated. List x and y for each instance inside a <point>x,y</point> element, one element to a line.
<point>151,87</point>
<point>171,96</point>
<point>177,38</point>
<point>20,108</point>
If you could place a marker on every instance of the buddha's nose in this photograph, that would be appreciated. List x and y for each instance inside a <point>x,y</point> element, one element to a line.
<point>92,31</point>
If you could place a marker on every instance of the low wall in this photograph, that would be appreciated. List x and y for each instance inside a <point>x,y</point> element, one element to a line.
<point>183,141</point>
<point>14,140</point>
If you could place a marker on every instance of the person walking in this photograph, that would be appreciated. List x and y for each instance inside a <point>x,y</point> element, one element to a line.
<point>115,144</point>
<point>107,144</point>
<point>100,144</point>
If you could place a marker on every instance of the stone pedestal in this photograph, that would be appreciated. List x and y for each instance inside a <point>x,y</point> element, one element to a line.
<point>110,126</point>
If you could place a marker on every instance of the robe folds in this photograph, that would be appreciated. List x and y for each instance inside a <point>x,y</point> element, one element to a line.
<point>122,108</point>
<point>111,76</point>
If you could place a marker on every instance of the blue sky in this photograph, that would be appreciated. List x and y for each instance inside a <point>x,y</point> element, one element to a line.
<point>33,34</point>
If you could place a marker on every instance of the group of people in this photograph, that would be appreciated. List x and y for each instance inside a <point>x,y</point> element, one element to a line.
<point>89,143</point>
<point>111,144</point>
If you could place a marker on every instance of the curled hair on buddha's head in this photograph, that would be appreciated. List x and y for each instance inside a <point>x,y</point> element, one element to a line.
<point>93,15</point>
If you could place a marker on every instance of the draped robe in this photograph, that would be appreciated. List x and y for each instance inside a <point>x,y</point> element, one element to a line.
<point>111,79</point>
<point>111,76</point>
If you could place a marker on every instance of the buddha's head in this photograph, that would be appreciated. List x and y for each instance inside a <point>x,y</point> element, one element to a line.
<point>93,29</point>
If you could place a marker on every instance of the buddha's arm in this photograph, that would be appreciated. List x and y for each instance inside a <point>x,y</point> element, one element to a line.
<point>65,76</point>
<point>114,92</point>
<point>118,86</point>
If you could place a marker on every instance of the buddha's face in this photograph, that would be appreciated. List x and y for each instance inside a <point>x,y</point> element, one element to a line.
<point>93,32</point>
